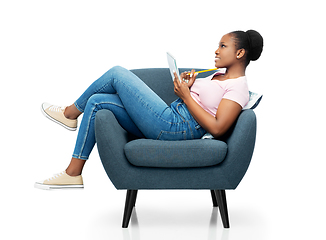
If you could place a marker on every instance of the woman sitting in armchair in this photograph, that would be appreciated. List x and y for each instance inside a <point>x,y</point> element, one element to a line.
<point>210,104</point>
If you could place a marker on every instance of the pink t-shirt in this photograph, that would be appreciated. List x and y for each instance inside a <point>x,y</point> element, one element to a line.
<point>208,93</point>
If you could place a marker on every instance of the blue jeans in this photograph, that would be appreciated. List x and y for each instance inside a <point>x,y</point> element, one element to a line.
<point>137,108</point>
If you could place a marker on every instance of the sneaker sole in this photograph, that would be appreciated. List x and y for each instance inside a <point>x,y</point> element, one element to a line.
<point>50,187</point>
<point>56,121</point>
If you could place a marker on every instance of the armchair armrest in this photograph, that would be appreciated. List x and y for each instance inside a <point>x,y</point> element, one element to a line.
<point>241,143</point>
<point>111,139</point>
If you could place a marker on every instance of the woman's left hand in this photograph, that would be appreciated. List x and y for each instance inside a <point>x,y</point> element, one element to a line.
<point>181,88</point>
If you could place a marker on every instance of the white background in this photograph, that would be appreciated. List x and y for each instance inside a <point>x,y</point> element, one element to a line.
<point>52,50</point>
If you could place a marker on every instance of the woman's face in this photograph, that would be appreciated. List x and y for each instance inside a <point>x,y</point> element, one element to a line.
<point>226,54</point>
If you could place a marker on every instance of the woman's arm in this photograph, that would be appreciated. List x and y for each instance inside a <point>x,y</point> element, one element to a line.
<point>226,114</point>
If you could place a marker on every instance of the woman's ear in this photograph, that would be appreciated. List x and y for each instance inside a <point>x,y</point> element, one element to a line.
<point>240,53</point>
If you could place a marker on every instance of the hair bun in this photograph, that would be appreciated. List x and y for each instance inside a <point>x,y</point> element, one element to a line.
<point>256,44</point>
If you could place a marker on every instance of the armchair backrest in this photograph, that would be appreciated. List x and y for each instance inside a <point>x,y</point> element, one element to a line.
<point>160,81</point>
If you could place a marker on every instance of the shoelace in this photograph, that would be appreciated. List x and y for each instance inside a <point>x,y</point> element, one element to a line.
<point>57,108</point>
<point>55,176</point>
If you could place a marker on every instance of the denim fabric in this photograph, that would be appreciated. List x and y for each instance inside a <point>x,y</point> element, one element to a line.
<point>138,109</point>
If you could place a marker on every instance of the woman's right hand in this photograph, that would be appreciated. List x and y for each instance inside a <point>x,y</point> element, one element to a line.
<point>189,76</point>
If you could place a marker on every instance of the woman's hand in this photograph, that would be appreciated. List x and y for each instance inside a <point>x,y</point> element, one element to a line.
<point>189,77</point>
<point>181,88</point>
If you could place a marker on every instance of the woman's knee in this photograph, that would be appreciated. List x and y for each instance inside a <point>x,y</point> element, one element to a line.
<point>94,103</point>
<point>94,100</point>
<point>117,70</point>
<point>97,100</point>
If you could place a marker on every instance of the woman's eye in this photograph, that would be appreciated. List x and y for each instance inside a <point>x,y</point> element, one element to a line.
<point>223,46</point>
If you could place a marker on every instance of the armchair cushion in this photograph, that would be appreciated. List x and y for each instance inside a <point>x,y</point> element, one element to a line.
<point>175,154</point>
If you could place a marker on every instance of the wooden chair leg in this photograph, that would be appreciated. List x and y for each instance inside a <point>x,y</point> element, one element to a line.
<point>129,205</point>
<point>214,198</point>
<point>221,201</point>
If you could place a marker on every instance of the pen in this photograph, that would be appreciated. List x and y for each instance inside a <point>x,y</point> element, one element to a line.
<point>208,70</point>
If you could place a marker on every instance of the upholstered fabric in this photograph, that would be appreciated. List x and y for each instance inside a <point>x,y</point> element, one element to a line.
<point>189,153</point>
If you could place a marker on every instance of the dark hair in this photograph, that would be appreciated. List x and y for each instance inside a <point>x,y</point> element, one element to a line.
<point>251,41</point>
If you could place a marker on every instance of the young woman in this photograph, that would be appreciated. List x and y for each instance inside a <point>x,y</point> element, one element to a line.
<point>209,104</point>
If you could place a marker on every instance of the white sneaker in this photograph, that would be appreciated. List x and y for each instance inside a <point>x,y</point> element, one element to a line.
<point>61,181</point>
<point>55,113</point>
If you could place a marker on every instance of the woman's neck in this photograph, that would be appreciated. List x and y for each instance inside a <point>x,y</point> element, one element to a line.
<point>235,72</point>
